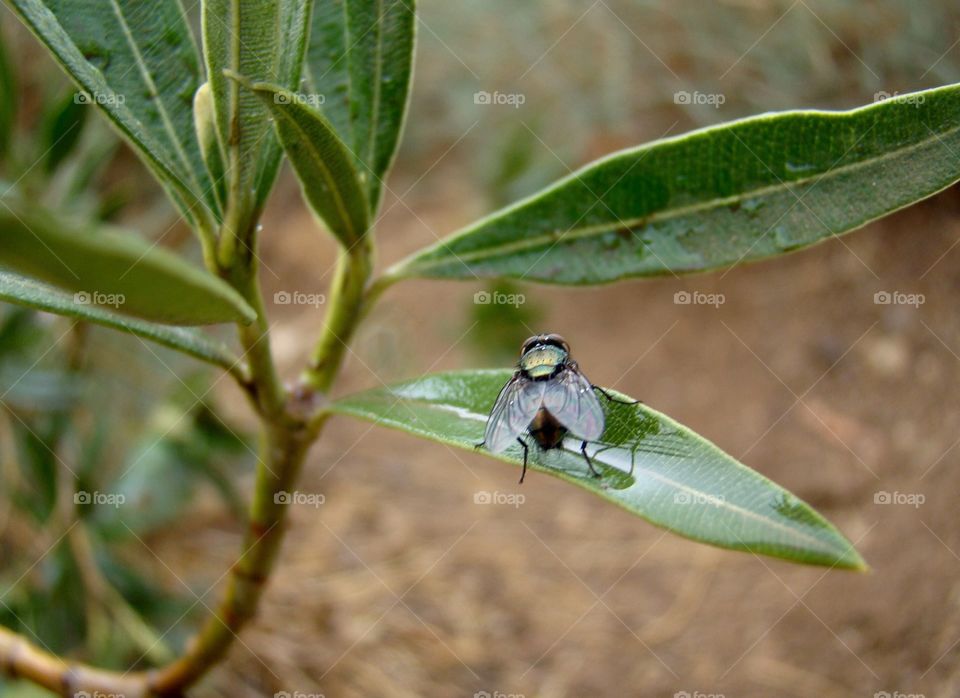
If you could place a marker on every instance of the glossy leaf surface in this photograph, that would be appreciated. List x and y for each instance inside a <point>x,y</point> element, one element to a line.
<point>679,480</point>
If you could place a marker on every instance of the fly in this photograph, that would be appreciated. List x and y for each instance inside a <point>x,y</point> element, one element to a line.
<point>548,397</point>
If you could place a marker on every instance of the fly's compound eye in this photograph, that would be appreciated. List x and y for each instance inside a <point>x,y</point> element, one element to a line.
<point>557,340</point>
<point>531,341</point>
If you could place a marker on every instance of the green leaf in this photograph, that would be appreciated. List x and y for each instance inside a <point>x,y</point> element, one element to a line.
<point>322,162</point>
<point>360,60</point>
<point>138,63</point>
<point>8,100</point>
<point>62,131</point>
<point>294,32</point>
<point>33,294</point>
<point>264,41</point>
<point>680,481</point>
<point>115,269</point>
<point>715,197</point>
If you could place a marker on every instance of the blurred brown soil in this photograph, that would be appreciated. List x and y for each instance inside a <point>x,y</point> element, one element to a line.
<point>399,585</point>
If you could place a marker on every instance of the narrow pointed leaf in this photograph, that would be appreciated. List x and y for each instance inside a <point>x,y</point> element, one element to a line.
<point>265,41</point>
<point>294,34</point>
<point>360,60</point>
<point>680,481</point>
<point>8,101</point>
<point>324,166</point>
<point>138,63</point>
<point>62,132</point>
<point>110,268</point>
<point>715,197</point>
<point>33,294</point>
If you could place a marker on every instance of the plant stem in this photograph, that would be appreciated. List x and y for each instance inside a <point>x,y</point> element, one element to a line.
<point>264,383</point>
<point>282,454</point>
<point>287,432</point>
<point>347,305</point>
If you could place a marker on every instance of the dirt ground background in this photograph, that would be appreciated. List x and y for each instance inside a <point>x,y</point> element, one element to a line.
<point>400,585</point>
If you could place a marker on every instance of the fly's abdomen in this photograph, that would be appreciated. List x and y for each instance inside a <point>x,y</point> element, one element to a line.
<point>546,430</point>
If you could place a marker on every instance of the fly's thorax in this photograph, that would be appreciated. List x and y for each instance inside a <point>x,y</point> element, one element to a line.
<point>542,361</point>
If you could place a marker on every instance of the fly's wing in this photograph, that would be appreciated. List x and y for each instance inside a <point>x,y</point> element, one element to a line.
<point>570,399</point>
<point>512,413</point>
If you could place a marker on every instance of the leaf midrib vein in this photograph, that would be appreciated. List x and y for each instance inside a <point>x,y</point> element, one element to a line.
<point>332,182</point>
<point>602,228</point>
<point>158,98</point>
<point>813,540</point>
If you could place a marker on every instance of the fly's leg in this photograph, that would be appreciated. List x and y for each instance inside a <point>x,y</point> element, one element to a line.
<point>477,447</point>
<point>583,450</point>
<point>526,450</point>
<point>611,398</point>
